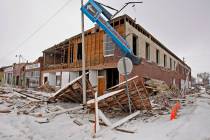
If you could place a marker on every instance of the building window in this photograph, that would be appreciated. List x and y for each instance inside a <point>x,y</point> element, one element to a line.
<point>135,38</point>
<point>157,56</point>
<point>79,51</point>
<point>165,60</point>
<point>58,80</point>
<point>71,54</point>
<point>147,51</point>
<point>109,46</point>
<point>174,65</point>
<point>170,63</point>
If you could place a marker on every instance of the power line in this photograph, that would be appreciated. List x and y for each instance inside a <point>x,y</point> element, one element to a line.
<point>38,29</point>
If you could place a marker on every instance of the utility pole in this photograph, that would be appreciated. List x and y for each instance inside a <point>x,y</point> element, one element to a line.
<point>83,57</point>
<point>19,57</point>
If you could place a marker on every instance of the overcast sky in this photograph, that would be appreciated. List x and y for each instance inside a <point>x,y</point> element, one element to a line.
<point>181,25</point>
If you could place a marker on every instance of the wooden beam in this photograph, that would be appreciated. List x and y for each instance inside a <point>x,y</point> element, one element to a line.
<point>120,122</point>
<point>107,95</point>
<point>62,111</point>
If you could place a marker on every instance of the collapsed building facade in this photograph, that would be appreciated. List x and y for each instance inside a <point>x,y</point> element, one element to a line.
<point>63,62</point>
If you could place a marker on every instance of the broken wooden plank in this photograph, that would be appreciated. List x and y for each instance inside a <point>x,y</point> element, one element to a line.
<point>104,118</point>
<point>62,111</point>
<point>118,129</point>
<point>78,122</point>
<point>105,96</point>
<point>120,122</point>
<point>5,110</point>
<point>42,120</point>
<point>28,96</point>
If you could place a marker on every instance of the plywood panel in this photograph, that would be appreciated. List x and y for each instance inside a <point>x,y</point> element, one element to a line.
<point>101,85</point>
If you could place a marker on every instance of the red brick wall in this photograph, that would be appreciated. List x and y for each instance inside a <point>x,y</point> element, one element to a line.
<point>151,70</point>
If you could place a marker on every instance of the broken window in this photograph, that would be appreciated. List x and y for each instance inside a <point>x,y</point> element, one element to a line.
<point>112,77</point>
<point>157,56</point>
<point>135,44</point>
<point>79,51</point>
<point>147,50</point>
<point>109,46</point>
<point>71,54</point>
<point>165,60</point>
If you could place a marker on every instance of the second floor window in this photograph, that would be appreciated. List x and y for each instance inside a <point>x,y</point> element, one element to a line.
<point>165,60</point>
<point>157,56</point>
<point>147,51</point>
<point>71,54</point>
<point>170,63</point>
<point>109,46</point>
<point>79,51</point>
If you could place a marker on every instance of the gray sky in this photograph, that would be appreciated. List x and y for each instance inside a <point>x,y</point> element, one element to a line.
<point>181,25</point>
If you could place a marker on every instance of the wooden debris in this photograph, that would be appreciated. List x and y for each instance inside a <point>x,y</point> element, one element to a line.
<point>118,129</point>
<point>78,122</point>
<point>47,88</point>
<point>62,111</point>
<point>116,98</point>
<point>73,91</point>
<point>120,122</point>
<point>5,110</point>
<point>27,95</point>
<point>42,120</point>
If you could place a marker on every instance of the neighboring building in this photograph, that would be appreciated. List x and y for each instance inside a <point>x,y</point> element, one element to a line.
<point>19,74</point>
<point>62,62</point>
<point>1,75</point>
<point>8,75</point>
<point>33,73</point>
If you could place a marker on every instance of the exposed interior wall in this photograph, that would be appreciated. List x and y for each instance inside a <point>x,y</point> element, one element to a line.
<point>58,79</point>
<point>45,77</point>
<point>51,78</point>
<point>93,77</point>
<point>65,78</point>
<point>73,75</point>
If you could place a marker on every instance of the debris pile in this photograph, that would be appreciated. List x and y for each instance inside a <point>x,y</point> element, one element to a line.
<point>47,88</point>
<point>161,96</point>
<point>116,97</point>
<point>73,92</point>
<point>155,86</point>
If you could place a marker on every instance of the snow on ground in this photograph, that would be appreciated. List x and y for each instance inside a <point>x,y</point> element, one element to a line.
<point>193,123</point>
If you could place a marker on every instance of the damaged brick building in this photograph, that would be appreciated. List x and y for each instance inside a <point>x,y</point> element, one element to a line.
<point>63,61</point>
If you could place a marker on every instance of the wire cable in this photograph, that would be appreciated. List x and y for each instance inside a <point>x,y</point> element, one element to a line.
<point>37,30</point>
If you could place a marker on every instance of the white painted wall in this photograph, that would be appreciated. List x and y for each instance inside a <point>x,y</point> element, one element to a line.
<point>58,73</point>
<point>45,75</point>
<point>93,77</point>
<point>52,79</point>
<point>64,78</point>
<point>73,75</point>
